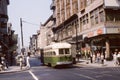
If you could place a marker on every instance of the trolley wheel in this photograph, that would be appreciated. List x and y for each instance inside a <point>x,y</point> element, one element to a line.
<point>49,64</point>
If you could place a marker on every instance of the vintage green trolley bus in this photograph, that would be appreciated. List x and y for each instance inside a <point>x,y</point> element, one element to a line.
<point>57,54</point>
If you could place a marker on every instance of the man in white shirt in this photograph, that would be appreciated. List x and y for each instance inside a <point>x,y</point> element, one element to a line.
<point>27,61</point>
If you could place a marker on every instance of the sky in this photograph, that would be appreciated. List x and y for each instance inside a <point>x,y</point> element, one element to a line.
<point>31,11</point>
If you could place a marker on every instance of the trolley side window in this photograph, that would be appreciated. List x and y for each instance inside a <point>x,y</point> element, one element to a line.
<point>67,51</point>
<point>64,51</point>
<point>61,51</point>
<point>51,53</point>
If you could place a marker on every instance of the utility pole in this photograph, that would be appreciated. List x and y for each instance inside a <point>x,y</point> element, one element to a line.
<point>21,26</point>
<point>21,33</point>
<point>76,26</point>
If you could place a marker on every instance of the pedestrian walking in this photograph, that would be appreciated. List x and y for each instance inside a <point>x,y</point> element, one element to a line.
<point>91,57</point>
<point>78,57</point>
<point>1,67</point>
<point>94,58</point>
<point>21,61</point>
<point>98,57</point>
<point>118,58</point>
<point>115,58</point>
<point>102,59</point>
<point>28,61</point>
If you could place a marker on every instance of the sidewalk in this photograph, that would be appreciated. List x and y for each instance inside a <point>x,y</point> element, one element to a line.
<point>86,63</point>
<point>13,69</point>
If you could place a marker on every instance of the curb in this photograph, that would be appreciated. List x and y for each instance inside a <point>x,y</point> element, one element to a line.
<point>94,65</point>
<point>4,72</point>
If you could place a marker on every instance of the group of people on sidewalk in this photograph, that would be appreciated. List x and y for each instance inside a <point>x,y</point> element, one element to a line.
<point>98,57</point>
<point>23,62</point>
<point>94,58</point>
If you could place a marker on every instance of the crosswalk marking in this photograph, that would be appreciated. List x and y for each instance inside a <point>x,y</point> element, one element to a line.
<point>33,75</point>
<point>85,76</point>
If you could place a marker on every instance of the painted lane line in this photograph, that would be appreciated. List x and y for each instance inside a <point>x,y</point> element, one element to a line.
<point>33,75</point>
<point>85,76</point>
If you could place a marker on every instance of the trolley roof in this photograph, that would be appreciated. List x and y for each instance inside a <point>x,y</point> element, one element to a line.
<point>58,45</point>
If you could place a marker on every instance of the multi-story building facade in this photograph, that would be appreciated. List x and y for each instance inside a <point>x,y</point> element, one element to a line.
<point>9,45</point>
<point>33,44</point>
<point>8,40</point>
<point>3,27</point>
<point>41,37</point>
<point>45,34</point>
<point>88,24</point>
<point>3,22</point>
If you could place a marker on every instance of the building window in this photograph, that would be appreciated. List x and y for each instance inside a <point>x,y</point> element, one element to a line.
<point>75,7</point>
<point>64,33</point>
<point>60,35</point>
<point>97,16</point>
<point>68,12</point>
<point>96,12</point>
<point>69,30</point>
<point>92,20</point>
<point>62,5</point>
<point>102,16</point>
<point>96,19</point>
<point>63,15</point>
<point>112,15</point>
<point>67,2</point>
<point>73,29</point>
<point>84,20</point>
<point>88,2</point>
<point>117,16</point>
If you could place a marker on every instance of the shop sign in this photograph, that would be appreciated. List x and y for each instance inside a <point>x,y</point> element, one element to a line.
<point>113,30</point>
<point>112,4</point>
<point>94,33</point>
<point>99,31</point>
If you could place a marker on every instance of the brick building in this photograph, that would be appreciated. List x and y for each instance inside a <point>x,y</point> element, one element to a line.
<point>88,24</point>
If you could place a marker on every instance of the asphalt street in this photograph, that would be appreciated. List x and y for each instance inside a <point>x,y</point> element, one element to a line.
<point>38,72</point>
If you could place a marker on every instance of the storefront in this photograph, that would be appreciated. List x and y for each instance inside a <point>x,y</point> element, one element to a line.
<point>104,40</point>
